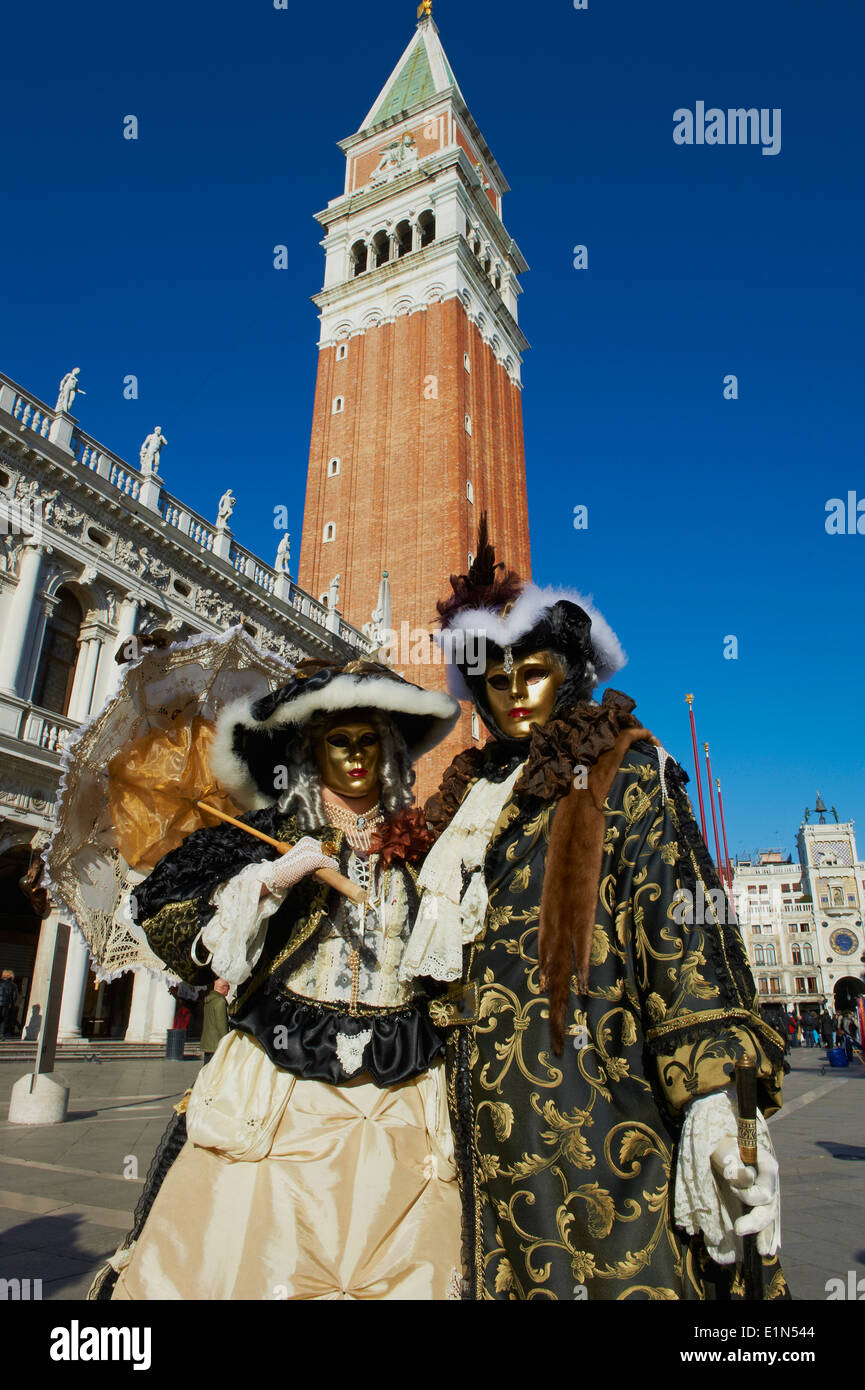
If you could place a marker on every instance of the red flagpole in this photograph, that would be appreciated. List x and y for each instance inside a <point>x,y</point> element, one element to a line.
<point>690,702</point>
<point>724,834</point>
<point>714,821</point>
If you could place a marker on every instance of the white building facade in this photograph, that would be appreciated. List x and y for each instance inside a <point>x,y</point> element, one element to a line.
<point>802,922</point>
<point>94,551</point>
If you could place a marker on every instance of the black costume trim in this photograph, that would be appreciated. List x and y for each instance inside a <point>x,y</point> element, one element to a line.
<point>300,1036</point>
<point>206,858</point>
<point>462,1122</point>
<point>167,1151</point>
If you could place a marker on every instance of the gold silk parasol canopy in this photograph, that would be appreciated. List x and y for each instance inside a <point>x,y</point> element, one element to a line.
<point>132,778</point>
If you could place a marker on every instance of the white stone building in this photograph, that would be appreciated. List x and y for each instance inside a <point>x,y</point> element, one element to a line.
<point>802,922</point>
<point>93,551</point>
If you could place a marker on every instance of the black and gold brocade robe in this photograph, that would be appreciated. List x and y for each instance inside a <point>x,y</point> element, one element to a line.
<point>567,1163</point>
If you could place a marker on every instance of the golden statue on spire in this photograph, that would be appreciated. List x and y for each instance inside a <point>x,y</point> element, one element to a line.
<point>424,8</point>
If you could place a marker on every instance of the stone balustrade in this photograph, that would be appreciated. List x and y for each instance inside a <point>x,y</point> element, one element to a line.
<point>148,492</point>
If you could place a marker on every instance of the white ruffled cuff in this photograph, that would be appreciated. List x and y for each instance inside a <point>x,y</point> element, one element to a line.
<point>442,927</point>
<point>702,1200</point>
<point>234,936</point>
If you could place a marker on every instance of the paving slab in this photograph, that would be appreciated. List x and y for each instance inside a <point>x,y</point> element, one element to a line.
<point>60,1225</point>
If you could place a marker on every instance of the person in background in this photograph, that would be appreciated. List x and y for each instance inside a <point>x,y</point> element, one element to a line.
<point>8,1002</point>
<point>182,1014</point>
<point>215,1025</point>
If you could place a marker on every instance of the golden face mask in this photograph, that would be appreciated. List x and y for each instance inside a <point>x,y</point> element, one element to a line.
<point>525,695</point>
<point>348,757</point>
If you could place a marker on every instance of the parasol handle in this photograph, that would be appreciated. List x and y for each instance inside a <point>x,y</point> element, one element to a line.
<point>331,877</point>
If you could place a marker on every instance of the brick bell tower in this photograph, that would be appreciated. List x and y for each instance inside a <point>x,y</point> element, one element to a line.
<point>417,423</point>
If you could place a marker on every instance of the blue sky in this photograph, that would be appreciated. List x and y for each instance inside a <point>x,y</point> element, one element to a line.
<point>706,516</point>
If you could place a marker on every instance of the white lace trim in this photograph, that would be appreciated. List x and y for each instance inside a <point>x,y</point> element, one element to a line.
<point>448,918</point>
<point>350,1048</point>
<point>703,1200</point>
<point>663,759</point>
<point>234,936</point>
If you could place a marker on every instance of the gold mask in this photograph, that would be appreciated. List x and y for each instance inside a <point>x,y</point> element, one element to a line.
<point>525,695</point>
<point>348,757</point>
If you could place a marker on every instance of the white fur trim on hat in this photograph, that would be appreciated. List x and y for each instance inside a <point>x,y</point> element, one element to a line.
<point>526,613</point>
<point>344,692</point>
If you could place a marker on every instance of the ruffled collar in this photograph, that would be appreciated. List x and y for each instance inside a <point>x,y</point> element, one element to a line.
<point>577,737</point>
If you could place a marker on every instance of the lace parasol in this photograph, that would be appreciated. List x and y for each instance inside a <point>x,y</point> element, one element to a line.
<point>131,780</point>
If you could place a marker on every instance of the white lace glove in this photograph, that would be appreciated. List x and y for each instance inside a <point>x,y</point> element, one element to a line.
<point>304,858</point>
<point>234,937</point>
<point>713,1186</point>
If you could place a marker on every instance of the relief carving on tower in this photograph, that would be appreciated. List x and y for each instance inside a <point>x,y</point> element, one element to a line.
<point>401,154</point>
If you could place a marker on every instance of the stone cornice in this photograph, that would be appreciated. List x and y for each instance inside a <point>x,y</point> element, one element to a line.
<point>103,506</point>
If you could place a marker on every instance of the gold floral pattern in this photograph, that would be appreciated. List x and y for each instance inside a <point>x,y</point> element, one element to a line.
<point>568,1161</point>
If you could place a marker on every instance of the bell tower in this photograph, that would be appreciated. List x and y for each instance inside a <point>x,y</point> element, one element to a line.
<point>417,422</point>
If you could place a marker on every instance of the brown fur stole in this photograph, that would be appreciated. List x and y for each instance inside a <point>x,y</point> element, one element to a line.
<point>571,881</point>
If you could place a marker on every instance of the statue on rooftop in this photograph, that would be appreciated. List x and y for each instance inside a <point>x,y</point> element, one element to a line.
<point>227,504</point>
<point>69,389</point>
<point>283,555</point>
<point>150,451</point>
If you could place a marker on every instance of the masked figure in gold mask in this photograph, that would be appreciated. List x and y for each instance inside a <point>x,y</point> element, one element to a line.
<point>314,1158</point>
<point>599,990</point>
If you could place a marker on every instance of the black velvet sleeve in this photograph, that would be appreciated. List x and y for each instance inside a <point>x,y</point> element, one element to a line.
<point>204,860</point>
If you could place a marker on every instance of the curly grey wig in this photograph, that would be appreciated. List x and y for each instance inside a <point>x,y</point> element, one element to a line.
<point>396,775</point>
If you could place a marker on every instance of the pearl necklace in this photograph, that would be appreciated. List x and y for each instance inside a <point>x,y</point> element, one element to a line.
<point>357,829</point>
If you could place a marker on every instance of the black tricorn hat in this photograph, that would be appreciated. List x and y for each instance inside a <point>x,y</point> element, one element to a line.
<point>253,736</point>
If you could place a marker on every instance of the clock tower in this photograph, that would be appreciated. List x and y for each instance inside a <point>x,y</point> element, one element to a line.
<point>417,422</point>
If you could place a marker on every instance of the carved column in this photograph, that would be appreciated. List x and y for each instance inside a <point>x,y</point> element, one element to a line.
<point>41,982</point>
<point>127,621</point>
<point>140,1008</point>
<point>12,648</point>
<point>162,1012</point>
<point>74,988</point>
<point>85,675</point>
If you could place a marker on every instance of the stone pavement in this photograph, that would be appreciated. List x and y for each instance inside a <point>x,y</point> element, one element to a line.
<point>65,1203</point>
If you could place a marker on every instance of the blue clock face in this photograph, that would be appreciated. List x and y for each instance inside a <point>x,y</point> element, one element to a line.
<point>844,942</point>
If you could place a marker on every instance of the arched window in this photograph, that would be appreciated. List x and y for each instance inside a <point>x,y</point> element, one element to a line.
<point>771,958</point>
<point>338,405</point>
<point>403,239</point>
<point>359,258</point>
<point>807,954</point>
<point>759,955</point>
<point>468,424</point>
<point>471,559</point>
<point>333,468</point>
<point>427,224</point>
<point>380,249</point>
<point>342,352</point>
<point>467,362</point>
<point>56,671</point>
<point>470,492</point>
<point>476,725</point>
<point>329,532</point>
<point>797,954</point>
